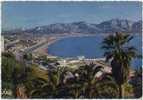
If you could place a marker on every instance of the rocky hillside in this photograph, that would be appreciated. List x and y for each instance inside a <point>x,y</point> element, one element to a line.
<point>110,26</point>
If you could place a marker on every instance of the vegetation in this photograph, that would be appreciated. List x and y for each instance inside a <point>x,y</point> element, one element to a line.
<point>12,73</point>
<point>121,55</point>
<point>81,84</point>
<point>136,81</point>
<point>85,81</point>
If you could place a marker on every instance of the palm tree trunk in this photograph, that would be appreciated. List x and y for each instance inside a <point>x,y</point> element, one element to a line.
<point>120,91</point>
<point>14,91</point>
<point>76,93</point>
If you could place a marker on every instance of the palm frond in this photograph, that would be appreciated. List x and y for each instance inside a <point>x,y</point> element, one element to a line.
<point>108,55</point>
<point>97,69</point>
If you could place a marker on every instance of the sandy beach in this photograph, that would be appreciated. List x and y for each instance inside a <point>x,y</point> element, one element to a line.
<point>43,49</point>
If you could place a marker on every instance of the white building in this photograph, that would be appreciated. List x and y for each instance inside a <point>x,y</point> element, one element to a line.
<point>81,57</point>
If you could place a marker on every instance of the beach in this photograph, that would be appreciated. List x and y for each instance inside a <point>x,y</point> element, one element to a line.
<point>42,47</point>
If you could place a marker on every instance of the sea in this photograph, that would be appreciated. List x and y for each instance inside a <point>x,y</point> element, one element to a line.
<point>90,47</point>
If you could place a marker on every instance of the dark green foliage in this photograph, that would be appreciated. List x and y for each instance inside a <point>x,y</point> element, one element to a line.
<point>83,85</point>
<point>116,48</point>
<point>11,72</point>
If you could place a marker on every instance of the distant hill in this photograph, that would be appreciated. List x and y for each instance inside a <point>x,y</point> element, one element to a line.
<point>110,26</point>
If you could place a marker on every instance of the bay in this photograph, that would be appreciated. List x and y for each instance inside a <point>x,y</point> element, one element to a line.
<point>89,47</point>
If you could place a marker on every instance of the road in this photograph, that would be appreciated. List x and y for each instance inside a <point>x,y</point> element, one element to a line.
<point>11,43</point>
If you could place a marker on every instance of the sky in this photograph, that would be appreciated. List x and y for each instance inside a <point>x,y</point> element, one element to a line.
<point>30,14</point>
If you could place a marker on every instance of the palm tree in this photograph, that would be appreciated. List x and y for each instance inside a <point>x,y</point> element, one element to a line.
<point>37,88</point>
<point>92,87</point>
<point>121,55</point>
<point>52,87</point>
<point>106,87</point>
<point>83,84</point>
<point>85,76</point>
<point>87,72</point>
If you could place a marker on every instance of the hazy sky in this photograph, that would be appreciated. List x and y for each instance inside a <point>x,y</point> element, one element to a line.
<point>31,14</point>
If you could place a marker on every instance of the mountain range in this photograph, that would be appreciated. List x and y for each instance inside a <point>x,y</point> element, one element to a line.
<point>110,26</point>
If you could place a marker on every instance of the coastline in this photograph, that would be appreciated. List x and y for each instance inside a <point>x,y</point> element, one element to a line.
<point>50,39</point>
<point>43,50</point>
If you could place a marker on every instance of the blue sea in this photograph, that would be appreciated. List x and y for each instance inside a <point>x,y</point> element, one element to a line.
<point>90,47</point>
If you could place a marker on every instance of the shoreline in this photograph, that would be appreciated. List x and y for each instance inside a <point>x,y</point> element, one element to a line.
<point>43,50</point>
<point>50,39</point>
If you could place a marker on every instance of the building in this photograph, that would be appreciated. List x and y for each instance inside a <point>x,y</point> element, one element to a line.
<point>81,57</point>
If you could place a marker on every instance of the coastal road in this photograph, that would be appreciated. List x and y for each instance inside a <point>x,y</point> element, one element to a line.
<point>30,49</point>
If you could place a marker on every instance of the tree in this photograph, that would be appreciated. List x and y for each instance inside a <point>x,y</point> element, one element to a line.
<point>82,84</point>
<point>51,87</point>
<point>92,87</point>
<point>11,72</point>
<point>121,54</point>
<point>106,87</point>
<point>85,78</point>
<point>37,88</point>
